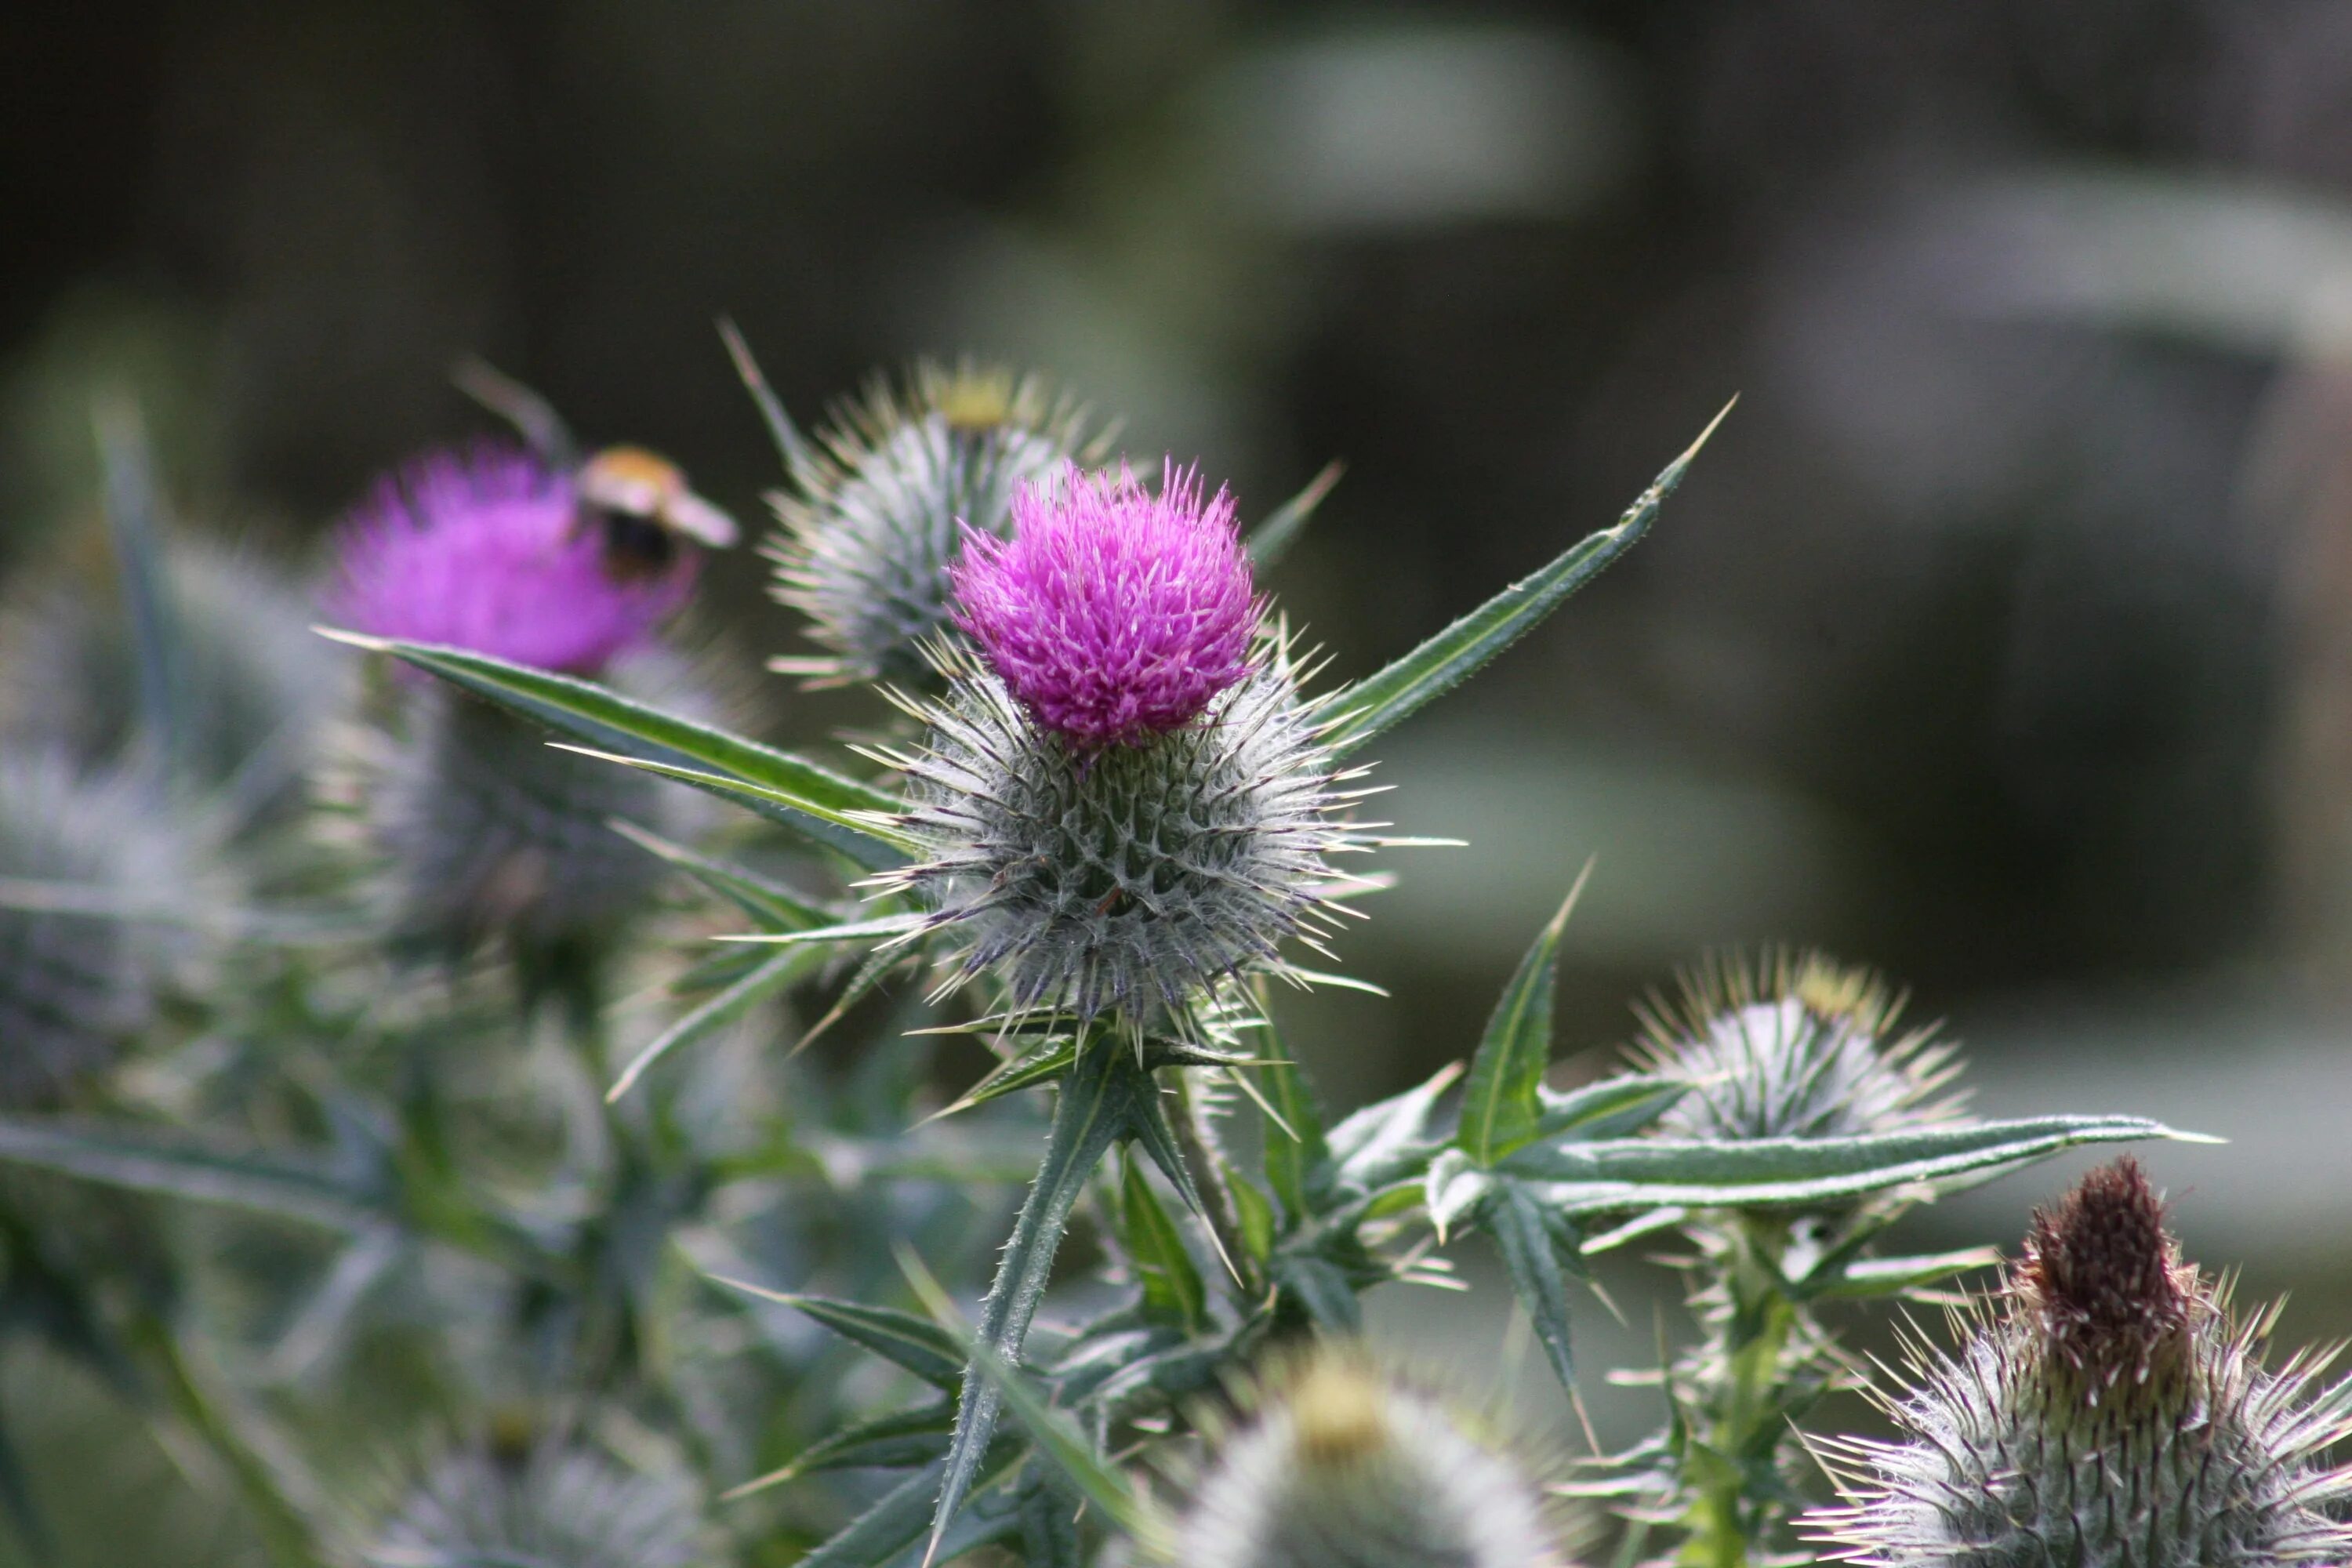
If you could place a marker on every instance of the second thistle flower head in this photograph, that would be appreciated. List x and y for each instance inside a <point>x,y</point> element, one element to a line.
<point>500,552</point>
<point>1113,614</point>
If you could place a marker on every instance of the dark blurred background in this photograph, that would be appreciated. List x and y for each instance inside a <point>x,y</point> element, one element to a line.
<point>2003,639</point>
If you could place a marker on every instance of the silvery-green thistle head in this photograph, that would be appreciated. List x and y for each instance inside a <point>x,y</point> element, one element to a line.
<point>1794,1046</point>
<point>2108,1410</point>
<point>559,1504</point>
<point>1346,1466</point>
<point>85,954</point>
<point>881,502</point>
<point>1121,805</point>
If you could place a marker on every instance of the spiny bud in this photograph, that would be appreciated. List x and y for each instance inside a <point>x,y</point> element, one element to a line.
<point>1345,1467</point>
<point>249,690</point>
<point>559,1506</point>
<point>490,832</point>
<point>2111,1413</point>
<point>1123,802</point>
<point>879,508</point>
<point>78,981</point>
<point>1793,1047</point>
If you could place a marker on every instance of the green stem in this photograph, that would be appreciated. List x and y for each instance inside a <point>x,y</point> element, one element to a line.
<point>1743,1387</point>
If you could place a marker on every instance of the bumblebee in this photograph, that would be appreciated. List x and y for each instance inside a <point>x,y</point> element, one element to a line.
<point>637,500</point>
<point>641,503</point>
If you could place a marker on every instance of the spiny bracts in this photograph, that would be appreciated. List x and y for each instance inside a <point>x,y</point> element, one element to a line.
<point>561,1505</point>
<point>80,978</point>
<point>1793,1047</point>
<point>1346,1467</point>
<point>878,505</point>
<point>1138,877</point>
<point>2109,1411</point>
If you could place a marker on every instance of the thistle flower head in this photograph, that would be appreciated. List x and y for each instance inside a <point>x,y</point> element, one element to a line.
<point>1793,1047</point>
<point>493,550</point>
<point>559,1506</point>
<point>2109,1410</point>
<point>1113,615</point>
<point>1138,877</point>
<point>1346,1467</point>
<point>77,981</point>
<point>487,833</point>
<point>876,516</point>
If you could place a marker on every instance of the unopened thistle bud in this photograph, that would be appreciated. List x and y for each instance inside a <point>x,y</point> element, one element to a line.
<point>2110,1412</point>
<point>1793,1047</point>
<point>878,512</point>
<point>559,1506</point>
<point>490,832</point>
<point>1345,1468</point>
<point>82,957</point>
<point>1122,799</point>
<point>249,690</point>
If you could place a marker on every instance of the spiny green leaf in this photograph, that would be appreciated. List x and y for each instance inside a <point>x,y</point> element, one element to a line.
<point>881,926</point>
<point>1173,1290</point>
<point>123,1155</point>
<point>1356,713</point>
<point>814,801</point>
<point>1322,1288</point>
<point>892,1442</point>
<point>1584,1178</point>
<point>775,906</point>
<point>1094,1110</point>
<point>1270,541</point>
<point>1533,1242</point>
<point>1389,1140</point>
<point>1292,1155</point>
<point>1869,1277</point>
<point>1052,1434</point>
<point>1255,1212</point>
<point>1499,1102</point>
<point>737,999</point>
<point>871,831</point>
<point>893,1531</point>
<point>1046,1060</point>
<point>915,1342</point>
<point>1453,1187</point>
<point>1616,1107</point>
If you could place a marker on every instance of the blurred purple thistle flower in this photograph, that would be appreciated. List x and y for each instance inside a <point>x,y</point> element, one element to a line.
<point>485,550</point>
<point>1113,615</point>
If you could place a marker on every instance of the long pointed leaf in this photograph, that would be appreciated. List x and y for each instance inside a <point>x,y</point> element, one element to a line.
<point>1092,1113</point>
<point>916,1344</point>
<point>128,1156</point>
<point>775,906</point>
<point>1173,1291</point>
<point>791,791</point>
<point>1358,712</point>
<point>1500,1108</point>
<point>1295,1150</point>
<point>1271,539</point>
<point>737,999</point>
<point>892,1442</point>
<point>1531,1254</point>
<point>1583,1178</point>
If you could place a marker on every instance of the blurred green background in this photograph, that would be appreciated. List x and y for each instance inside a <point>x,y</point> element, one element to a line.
<point>2002,639</point>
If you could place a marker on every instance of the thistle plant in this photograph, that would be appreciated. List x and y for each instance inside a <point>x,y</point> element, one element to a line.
<point>2109,1408</point>
<point>1110,823</point>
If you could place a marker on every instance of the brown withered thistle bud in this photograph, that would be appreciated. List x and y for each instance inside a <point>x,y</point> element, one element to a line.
<point>2107,1410</point>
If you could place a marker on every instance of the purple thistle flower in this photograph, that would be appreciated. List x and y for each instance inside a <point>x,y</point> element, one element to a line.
<point>486,551</point>
<point>1113,615</point>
